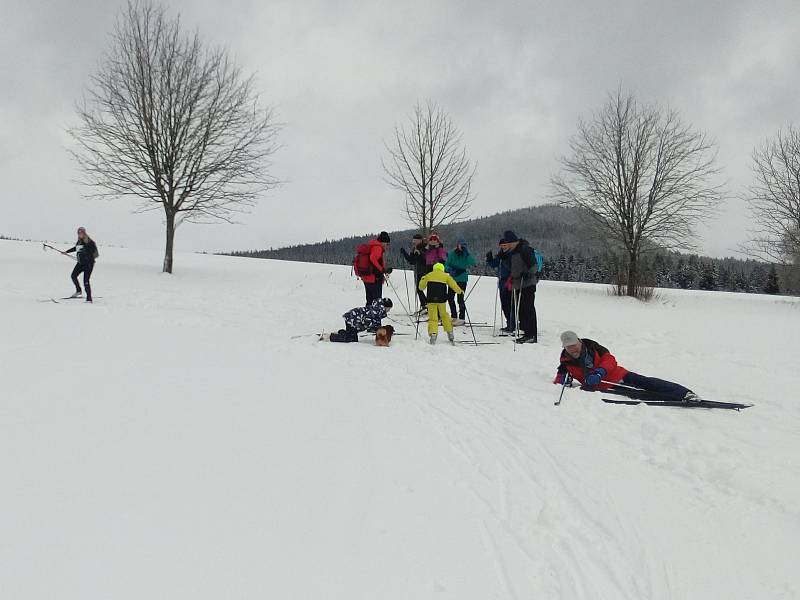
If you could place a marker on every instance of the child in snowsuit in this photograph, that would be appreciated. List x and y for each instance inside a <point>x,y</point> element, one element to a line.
<point>363,318</point>
<point>459,260</point>
<point>437,283</point>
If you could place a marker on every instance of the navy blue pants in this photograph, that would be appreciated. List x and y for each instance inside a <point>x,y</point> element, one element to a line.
<point>507,304</point>
<point>651,384</point>
<point>373,291</point>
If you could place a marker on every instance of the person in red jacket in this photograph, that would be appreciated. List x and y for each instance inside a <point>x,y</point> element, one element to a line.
<point>597,369</point>
<point>373,282</point>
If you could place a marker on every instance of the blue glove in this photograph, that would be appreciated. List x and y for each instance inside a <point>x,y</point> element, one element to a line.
<point>595,377</point>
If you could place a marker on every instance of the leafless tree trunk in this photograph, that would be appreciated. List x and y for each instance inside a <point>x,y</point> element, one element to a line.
<point>173,123</point>
<point>428,163</point>
<point>774,199</point>
<point>642,176</point>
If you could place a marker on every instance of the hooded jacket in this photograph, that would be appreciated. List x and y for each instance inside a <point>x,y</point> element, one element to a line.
<point>376,260</point>
<point>437,282</point>
<point>521,264</point>
<point>435,254</point>
<point>366,318</point>
<point>593,356</point>
<point>458,264</point>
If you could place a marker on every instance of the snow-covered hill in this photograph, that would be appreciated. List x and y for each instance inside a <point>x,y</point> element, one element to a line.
<point>175,440</point>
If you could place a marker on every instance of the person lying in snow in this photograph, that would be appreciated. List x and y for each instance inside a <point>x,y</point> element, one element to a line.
<point>363,318</point>
<point>597,369</point>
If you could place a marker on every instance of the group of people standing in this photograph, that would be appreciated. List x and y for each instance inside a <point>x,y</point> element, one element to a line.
<point>441,277</point>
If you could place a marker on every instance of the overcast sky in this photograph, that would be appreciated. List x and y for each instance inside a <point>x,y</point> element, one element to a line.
<point>514,76</point>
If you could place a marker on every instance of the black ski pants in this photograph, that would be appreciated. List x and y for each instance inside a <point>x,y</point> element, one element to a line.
<point>652,384</point>
<point>526,306</point>
<point>507,304</point>
<point>373,291</point>
<point>86,269</point>
<point>451,300</point>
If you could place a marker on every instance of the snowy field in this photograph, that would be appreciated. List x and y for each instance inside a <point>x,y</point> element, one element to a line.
<point>174,441</point>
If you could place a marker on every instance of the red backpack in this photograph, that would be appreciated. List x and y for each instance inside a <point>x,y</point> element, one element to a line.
<point>362,266</point>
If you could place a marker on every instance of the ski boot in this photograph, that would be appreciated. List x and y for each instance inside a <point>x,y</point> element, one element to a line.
<point>77,294</point>
<point>433,338</point>
<point>452,338</point>
<point>691,397</point>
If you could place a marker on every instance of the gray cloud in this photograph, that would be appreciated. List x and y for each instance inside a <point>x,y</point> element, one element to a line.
<point>515,77</point>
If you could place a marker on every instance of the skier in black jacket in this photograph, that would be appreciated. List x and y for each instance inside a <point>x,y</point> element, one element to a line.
<point>86,252</point>
<point>520,260</point>
<point>416,258</point>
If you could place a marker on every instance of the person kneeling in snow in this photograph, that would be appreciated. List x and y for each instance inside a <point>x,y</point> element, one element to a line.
<point>437,283</point>
<point>597,369</point>
<point>363,318</point>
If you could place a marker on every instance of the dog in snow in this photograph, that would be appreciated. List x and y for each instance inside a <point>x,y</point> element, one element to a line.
<point>383,337</point>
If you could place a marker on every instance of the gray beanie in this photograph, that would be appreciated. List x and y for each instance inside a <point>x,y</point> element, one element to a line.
<point>568,338</point>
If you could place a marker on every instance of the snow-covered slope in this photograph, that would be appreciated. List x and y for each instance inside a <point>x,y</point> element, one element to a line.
<point>176,441</point>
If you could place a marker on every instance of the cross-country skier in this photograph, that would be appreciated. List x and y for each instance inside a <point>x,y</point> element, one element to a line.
<point>363,318</point>
<point>416,258</point>
<point>596,369</point>
<point>459,260</point>
<point>503,287</point>
<point>435,253</point>
<point>373,271</point>
<point>437,283</point>
<point>522,265</point>
<point>86,252</point>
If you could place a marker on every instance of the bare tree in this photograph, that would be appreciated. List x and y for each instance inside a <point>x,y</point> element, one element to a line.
<point>642,176</point>
<point>774,199</point>
<point>173,123</point>
<point>428,163</point>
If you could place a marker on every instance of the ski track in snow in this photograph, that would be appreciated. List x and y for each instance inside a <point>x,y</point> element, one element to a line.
<point>213,433</point>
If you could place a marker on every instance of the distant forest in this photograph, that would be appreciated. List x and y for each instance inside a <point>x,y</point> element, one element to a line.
<point>571,252</point>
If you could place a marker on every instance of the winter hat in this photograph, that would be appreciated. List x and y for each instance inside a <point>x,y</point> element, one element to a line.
<point>81,229</point>
<point>387,302</point>
<point>502,241</point>
<point>569,338</point>
<point>510,237</point>
<point>418,236</point>
<point>384,237</point>
<point>462,242</point>
<point>438,267</point>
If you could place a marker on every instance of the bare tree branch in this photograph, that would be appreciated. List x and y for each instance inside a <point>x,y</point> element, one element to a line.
<point>427,162</point>
<point>642,176</point>
<point>774,199</point>
<point>173,124</point>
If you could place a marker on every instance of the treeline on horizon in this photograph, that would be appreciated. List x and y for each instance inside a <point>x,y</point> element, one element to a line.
<point>570,250</point>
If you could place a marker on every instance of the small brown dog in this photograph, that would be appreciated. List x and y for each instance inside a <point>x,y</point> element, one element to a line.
<point>383,337</point>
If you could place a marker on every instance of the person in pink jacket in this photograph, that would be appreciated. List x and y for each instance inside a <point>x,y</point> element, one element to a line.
<point>435,252</point>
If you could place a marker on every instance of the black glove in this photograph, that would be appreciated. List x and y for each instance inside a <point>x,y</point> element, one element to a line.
<point>489,256</point>
<point>404,253</point>
<point>388,271</point>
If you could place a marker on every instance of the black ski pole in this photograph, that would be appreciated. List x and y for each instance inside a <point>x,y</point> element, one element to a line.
<point>567,381</point>
<point>466,312</point>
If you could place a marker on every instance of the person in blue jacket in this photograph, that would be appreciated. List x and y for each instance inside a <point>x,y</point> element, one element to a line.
<point>459,260</point>
<point>503,273</point>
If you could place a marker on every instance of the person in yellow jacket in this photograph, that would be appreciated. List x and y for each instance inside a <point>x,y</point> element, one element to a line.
<point>437,282</point>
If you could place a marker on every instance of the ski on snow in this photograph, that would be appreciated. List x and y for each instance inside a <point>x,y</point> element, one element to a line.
<point>681,404</point>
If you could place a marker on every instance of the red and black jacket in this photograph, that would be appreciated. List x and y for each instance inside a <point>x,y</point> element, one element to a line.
<point>593,356</point>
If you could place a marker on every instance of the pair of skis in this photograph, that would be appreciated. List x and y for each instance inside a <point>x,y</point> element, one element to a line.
<point>634,396</point>
<point>681,404</point>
